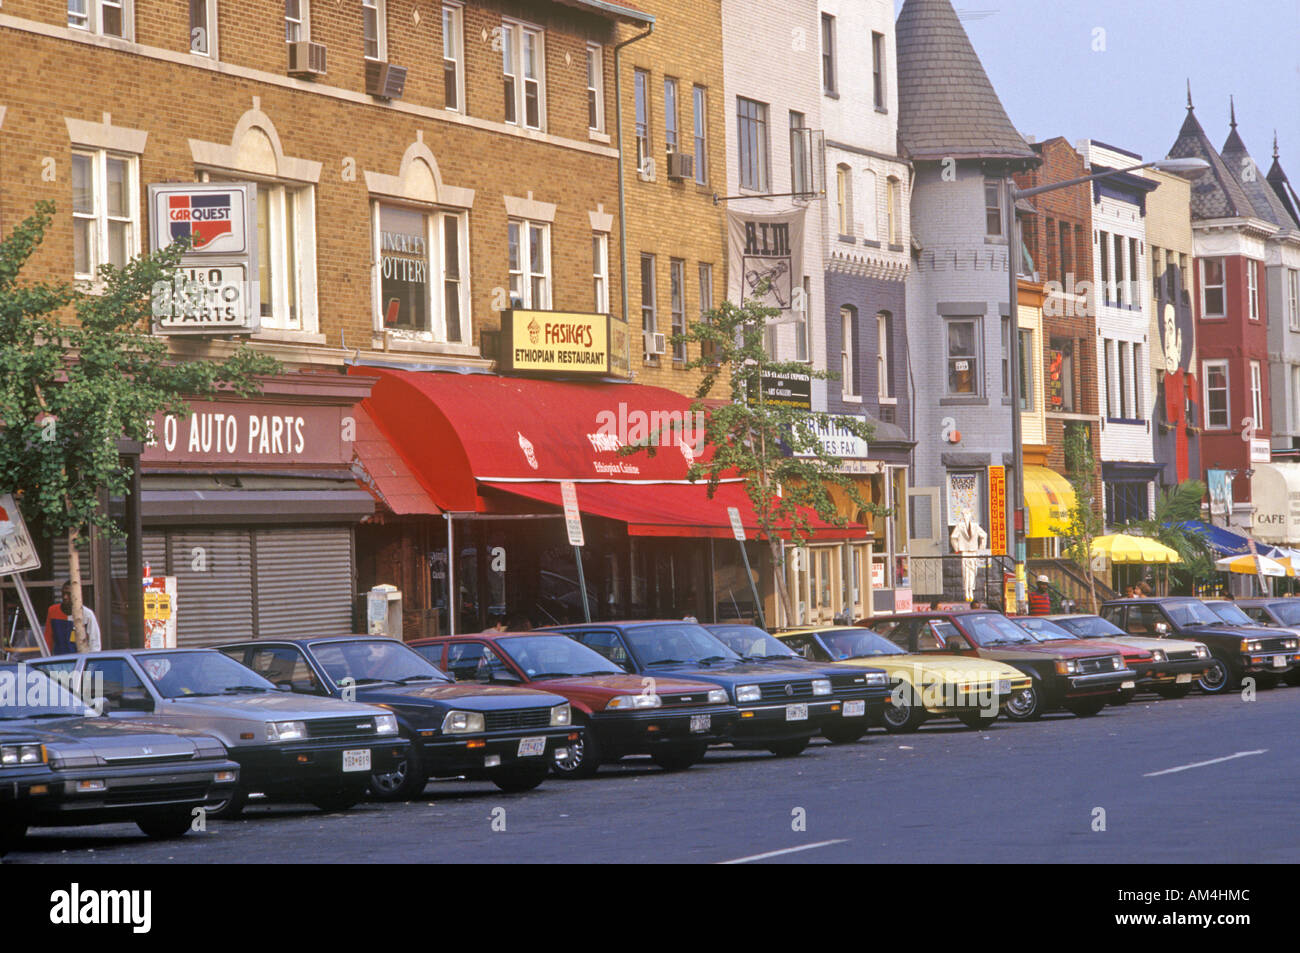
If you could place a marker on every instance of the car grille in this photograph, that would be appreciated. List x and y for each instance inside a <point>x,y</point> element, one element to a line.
<point>849,683</point>
<point>1188,655</point>
<point>1091,666</point>
<point>188,790</point>
<point>360,727</point>
<point>1272,645</point>
<point>776,691</point>
<point>150,759</point>
<point>517,718</point>
<point>694,698</point>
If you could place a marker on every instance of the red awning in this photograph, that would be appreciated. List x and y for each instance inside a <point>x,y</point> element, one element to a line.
<point>387,476</point>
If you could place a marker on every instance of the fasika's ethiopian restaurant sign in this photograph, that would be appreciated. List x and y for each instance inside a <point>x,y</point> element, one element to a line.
<point>562,343</point>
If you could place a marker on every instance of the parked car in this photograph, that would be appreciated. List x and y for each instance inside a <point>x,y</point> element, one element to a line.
<point>922,686</point>
<point>781,709</point>
<point>1139,660</point>
<point>1077,679</point>
<point>673,720</point>
<point>863,703</point>
<point>1276,613</point>
<point>1174,664</point>
<point>288,747</point>
<point>61,765</point>
<point>502,733</point>
<point>1235,652</point>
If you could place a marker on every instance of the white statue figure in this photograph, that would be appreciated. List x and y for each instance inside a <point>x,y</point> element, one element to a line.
<point>969,539</point>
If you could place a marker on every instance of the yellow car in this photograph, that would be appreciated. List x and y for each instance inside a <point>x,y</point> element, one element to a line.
<point>925,686</point>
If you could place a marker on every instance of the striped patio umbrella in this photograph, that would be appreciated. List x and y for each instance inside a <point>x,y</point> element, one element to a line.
<point>1249,565</point>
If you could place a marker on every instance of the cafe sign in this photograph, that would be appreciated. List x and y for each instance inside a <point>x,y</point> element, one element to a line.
<point>563,343</point>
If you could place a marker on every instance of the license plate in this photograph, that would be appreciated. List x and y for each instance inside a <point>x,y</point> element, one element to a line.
<point>1279,661</point>
<point>1183,679</point>
<point>855,709</point>
<point>796,712</point>
<point>531,747</point>
<point>701,722</point>
<point>358,759</point>
<point>1127,685</point>
<point>1004,687</point>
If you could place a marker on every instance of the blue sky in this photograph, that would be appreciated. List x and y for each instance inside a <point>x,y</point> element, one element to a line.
<point>1039,55</point>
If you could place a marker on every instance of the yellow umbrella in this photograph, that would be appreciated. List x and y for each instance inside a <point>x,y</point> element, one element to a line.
<point>1121,548</point>
<point>1249,565</point>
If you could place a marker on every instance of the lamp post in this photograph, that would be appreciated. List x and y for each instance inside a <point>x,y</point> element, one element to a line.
<point>1017,490</point>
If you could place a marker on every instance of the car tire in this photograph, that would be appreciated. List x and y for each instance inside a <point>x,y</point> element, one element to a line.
<point>678,757</point>
<point>519,778</point>
<point>231,807</point>
<point>1218,679</point>
<point>789,748</point>
<point>1087,707</point>
<point>902,713</point>
<point>977,719</point>
<point>1293,677</point>
<point>847,733</point>
<point>1173,691</point>
<point>1123,697</point>
<point>1266,682</point>
<point>11,835</point>
<point>1026,704</point>
<point>405,782</point>
<point>332,802</point>
<point>584,755</point>
<point>167,825</point>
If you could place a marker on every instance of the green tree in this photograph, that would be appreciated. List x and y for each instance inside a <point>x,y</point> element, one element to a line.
<point>774,448</point>
<point>79,370</point>
<point>1085,523</point>
<point>1176,506</point>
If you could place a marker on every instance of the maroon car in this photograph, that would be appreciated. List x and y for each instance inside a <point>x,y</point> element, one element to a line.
<point>1139,660</point>
<point>673,720</point>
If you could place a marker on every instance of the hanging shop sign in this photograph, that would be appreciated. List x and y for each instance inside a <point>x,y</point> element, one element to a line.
<point>562,343</point>
<point>998,510</point>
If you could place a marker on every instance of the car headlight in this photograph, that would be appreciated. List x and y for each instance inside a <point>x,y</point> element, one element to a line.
<point>462,722</point>
<point>877,678</point>
<point>1249,646</point>
<point>635,701</point>
<point>1292,643</point>
<point>748,693</point>
<point>1066,667</point>
<point>1157,655</point>
<point>14,755</point>
<point>285,731</point>
<point>1202,652</point>
<point>386,724</point>
<point>562,715</point>
<point>821,686</point>
<point>717,696</point>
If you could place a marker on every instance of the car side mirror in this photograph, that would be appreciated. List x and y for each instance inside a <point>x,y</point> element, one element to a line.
<point>284,686</point>
<point>1162,628</point>
<point>133,699</point>
<point>506,677</point>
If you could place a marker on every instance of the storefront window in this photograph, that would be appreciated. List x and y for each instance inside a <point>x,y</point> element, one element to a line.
<point>421,261</point>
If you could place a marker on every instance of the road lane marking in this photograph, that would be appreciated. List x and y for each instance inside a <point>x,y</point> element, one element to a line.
<point>1201,764</point>
<point>787,850</point>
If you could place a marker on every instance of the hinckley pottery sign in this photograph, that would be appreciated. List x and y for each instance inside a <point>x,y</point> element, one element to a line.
<point>219,432</point>
<point>555,342</point>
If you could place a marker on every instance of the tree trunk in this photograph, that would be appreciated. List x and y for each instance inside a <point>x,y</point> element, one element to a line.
<point>778,581</point>
<point>74,577</point>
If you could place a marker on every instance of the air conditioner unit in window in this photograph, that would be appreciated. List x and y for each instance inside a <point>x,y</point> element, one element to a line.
<point>681,166</point>
<point>647,170</point>
<point>306,59</point>
<point>655,343</point>
<point>385,80</point>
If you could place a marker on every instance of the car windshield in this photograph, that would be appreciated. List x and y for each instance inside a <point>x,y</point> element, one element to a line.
<point>1191,612</point>
<point>1090,627</point>
<point>857,643</point>
<point>26,692</point>
<point>367,661</point>
<point>1044,630</point>
<point>555,656</point>
<point>186,674</point>
<point>1288,612</point>
<point>749,641</point>
<point>676,643</point>
<point>995,630</point>
<point>1229,613</point>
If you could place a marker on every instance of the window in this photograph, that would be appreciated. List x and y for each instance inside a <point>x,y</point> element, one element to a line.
<point>1252,288</point>
<point>670,114</point>
<point>1060,375</point>
<point>1212,288</point>
<point>801,323</point>
<point>1125,501</point>
<point>706,290</point>
<point>422,260</point>
<point>677,304</point>
<point>1295,396</point>
<point>893,199</point>
<point>529,253</point>
<point>106,17</point>
<point>1103,250</point>
<point>884,335</point>
<point>1113,404</point>
<point>1066,259</point>
<point>203,27</point>
<point>798,156</point>
<point>296,25</point>
<point>1134,275</point>
<point>282,228</point>
<point>118,678</point>
<point>374,29</point>
<point>453,56</point>
<point>595,88</point>
<point>1293,298</point>
<point>1256,394</point>
<point>649,319</point>
<point>522,63</point>
<point>600,270</point>
<point>751,120</point>
<point>962,343</point>
<point>1120,293</point>
<point>105,214</point>
<point>848,336</point>
<point>878,69</point>
<point>828,53</point>
<point>1217,412</point>
<point>701,152</point>
<point>844,200</point>
<point>473,662</point>
<point>641,84</point>
<point>1026,369</point>
<point>1006,357</point>
<point>1123,369</point>
<point>876,220</point>
<point>992,207</point>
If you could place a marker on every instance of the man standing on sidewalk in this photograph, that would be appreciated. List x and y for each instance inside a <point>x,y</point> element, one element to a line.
<point>1040,600</point>
<point>58,626</point>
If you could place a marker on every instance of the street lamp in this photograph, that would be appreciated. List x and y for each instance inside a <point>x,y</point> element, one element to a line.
<point>1177,166</point>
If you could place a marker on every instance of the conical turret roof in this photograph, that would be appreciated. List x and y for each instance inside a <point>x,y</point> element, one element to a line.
<point>1216,193</point>
<point>1252,181</point>
<point>1281,185</point>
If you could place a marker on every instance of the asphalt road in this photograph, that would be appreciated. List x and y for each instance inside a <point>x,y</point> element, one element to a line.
<point>1013,793</point>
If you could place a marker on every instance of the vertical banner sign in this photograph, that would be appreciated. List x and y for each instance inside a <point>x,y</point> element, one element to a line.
<point>572,518</point>
<point>767,247</point>
<point>998,510</point>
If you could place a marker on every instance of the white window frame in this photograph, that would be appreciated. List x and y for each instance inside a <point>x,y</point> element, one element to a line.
<point>600,270</point>
<point>879,92</point>
<point>995,184</point>
<point>514,35</point>
<point>1206,367</point>
<point>893,192</point>
<point>672,114</point>
<point>1028,348</point>
<point>761,160</point>
<point>801,324</point>
<point>1295,396</point>
<point>699,120</point>
<point>1257,394</point>
<point>453,29</point>
<point>977,340</point>
<point>1252,290</point>
<point>677,304</point>
<point>650,308</point>
<point>436,286</point>
<point>89,16</point>
<point>849,389</point>
<point>883,319</point>
<point>844,200</point>
<point>830,63</point>
<point>596,87</point>
<point>1293,297</point>
<point>278,195</point>
<point>641,115</point>
<point>298,30</point>
<point>528,235</point>
<point>209,29</point>
<point>1222,286</point>
<point>376,9</point>
<point>99,217</point>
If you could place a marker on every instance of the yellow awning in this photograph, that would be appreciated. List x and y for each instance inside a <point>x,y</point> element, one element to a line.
<point>1048,499</point>
<point>1123,548</point>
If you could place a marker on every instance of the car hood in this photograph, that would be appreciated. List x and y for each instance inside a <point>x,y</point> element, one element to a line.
<point>462,695</point>
<point>1164,645</point>
<point>959,668</point>
<point>615,684</point>
<point>1051,649</point>
<point>111,740</point>
<point>736,673</point>
<point>1103,647</point>
<point>283,706</point>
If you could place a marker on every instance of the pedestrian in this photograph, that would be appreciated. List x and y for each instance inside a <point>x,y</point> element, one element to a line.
<point>498,624</point>
<point>1040,600</point>
<point>1144,587</point>
<point>518,623</point>
<point>60,637</point>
